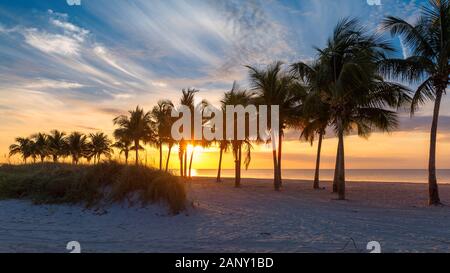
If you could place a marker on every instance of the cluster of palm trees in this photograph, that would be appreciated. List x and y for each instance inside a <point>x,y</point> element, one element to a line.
<point>345,89</point>
<point>57,145</point>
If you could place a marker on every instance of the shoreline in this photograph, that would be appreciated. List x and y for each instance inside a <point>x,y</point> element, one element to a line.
<point>293,180</point>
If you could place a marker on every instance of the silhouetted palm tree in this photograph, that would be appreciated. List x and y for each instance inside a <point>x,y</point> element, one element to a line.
<point>316,114</point>
<point>187,100</point>
<point>237,97</point>
<point>274,87</point>
<point>99,145</point>
<point>137,126</point>
<point>41,144</point>
<point>22,146</point>
<point>57,144</point>
<point>77,146</point>
<point>428,64</point>
<point>358,97</point>
<point>124,145</point>
<point>162,118</point>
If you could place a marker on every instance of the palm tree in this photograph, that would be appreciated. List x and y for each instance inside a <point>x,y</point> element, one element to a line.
<point>137,127</point>
<point>99,145</point>
<point>22,146</point>
<point>124,147</point>
<point>357,96</point>
<point>316,114</point>
<point>428,64</point>
<point>318,117</point>
<point>237,97</point>
<point>40,142</point>
<point>187,100</point>
<point>274,87</point>
<point>77,146</point>
<point>57,144</point>
<point>162,121</point>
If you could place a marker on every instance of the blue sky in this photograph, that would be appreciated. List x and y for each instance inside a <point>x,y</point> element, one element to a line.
<point>76,67</point>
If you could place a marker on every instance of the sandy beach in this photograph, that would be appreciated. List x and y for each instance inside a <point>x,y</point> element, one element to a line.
<point>253,218</point>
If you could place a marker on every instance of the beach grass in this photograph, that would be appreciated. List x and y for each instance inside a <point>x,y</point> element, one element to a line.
<point>91,185</point>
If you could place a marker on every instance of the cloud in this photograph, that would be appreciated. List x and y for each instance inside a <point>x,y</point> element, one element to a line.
<point>52,43</point>
<point>43,84</point>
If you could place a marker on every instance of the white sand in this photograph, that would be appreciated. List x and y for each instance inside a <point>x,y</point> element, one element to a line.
<point>253,218</point>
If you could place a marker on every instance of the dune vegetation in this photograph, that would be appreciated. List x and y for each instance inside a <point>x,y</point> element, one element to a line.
<point>91,185</point>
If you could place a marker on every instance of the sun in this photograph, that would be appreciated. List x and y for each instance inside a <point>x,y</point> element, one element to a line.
<point>197,149</point>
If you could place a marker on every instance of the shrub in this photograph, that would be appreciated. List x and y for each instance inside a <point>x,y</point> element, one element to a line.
<point>91,185</point>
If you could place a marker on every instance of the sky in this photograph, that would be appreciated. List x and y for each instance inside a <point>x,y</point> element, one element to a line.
<point>76,67</point>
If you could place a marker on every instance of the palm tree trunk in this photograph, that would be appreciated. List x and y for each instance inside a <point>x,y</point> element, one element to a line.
<point>432,179</point>
<point>317,173</point>
<point>190,163</point>
<point>168,157</point>
<point>237,181</point>
<point>160,156</point>
<point>275,170</point>
<point>126,157</point>
<point>336,172</point>
<point>219,169</point>
<point>136,148</point>
<point>280,145</point>
<point>180,156</point>
<point>341,172</point>
<point>42,159</point>
<point>185,163</point>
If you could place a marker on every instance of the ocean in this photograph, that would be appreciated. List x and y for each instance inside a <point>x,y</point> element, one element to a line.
<point>390,175</point>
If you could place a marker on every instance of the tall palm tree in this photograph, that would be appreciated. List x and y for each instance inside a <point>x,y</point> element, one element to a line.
<point>318,118</point>
<point>40,142</point>
<point>428,64</point>
<point>99,145</point>
<point>357,95</point>
<point>77,146</point>
<point>162,120</point>
<point>275,87</point>
<point>22,146</point>
<point>137,126</point>
<point>237,97</point>
<point>187,100</point>
<point>57,144</point>
<point>316,114</point>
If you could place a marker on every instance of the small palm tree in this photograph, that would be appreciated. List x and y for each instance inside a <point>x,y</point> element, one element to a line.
<point>274,87</point>
<point>124,145</point>
<point>162,121</point>
<point>429,42</point>
<point>137,127</point>
<point>57,144</point>
<point>77,146</point>
<point>41,142</point>
<point>99,145</point>
<point>23,146</point>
